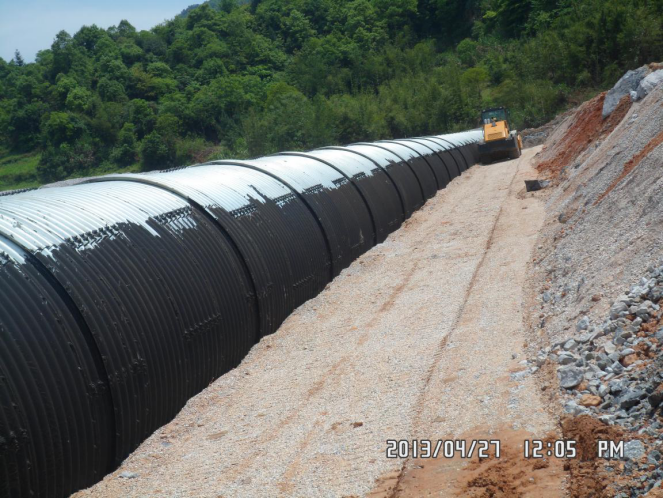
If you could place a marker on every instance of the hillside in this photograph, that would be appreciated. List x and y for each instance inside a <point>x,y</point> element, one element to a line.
<point>244,80</point>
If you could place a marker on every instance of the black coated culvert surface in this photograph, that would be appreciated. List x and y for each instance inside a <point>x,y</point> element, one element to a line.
<point>443,151</point>
<point>337,204</point>
<point>450,153</point>
<point>373,184</point>
<point>443,173</point>
<point>417,163</point>
<point>276,236</point>
<point>422,157</point>
<point>55,407</point>
<point>124,296</point>
<point>399,170</point>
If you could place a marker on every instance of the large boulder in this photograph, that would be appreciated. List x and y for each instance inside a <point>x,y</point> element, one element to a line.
<point>648,83</point>
<point>627,84</point>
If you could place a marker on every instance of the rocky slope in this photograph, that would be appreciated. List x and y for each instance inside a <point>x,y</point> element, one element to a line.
<point>597,317</point>
<point>603,227</point>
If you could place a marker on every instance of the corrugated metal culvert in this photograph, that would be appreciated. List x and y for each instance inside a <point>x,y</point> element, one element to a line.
<point>371,182</point>
<point>443,174</point>
<point>418,164</point>
<point>400,172</point>
<point>124,296</point>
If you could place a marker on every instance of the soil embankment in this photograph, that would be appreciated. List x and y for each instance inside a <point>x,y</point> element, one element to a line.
<point>603,223</point>
<point>597,310</point>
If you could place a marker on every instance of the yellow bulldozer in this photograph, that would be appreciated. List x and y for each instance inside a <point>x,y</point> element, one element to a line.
<point>499,140</point>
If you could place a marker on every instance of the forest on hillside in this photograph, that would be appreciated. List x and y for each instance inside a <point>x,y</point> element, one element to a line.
<point>237,79</point>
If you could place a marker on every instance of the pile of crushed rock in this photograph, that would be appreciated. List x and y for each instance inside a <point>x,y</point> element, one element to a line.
<point>613,371</point>
<point>601,230</point>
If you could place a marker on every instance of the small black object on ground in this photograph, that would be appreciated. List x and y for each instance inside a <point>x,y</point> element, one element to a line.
<point>534,185</point>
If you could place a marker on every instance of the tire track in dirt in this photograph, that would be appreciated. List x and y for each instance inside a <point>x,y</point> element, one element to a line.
<point>438,355</point>
<point>292,470</point>
<point>329,376</point>
<point>285,485</point>
<point>489,395</point>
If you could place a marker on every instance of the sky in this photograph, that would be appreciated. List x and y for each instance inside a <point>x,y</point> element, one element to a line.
<point>31,25</point>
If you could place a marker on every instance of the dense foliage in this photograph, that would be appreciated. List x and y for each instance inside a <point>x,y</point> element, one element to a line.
<point>244,79</point>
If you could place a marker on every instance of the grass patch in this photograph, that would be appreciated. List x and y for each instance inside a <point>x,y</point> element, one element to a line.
<point>106,169</point>
<point>19,164</point>
<point>19,171</point>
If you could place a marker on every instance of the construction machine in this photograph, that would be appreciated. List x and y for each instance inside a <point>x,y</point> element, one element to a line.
<point>499,140</point>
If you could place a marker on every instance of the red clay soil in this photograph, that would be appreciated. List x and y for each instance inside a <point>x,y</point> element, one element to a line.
<point>587,127</point>
<point>588,478</point>
<point>632,163</point>
<point>513,476</point>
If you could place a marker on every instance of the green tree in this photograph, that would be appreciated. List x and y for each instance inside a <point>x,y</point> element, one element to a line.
<point>125,152</point>
<point>157,152</point>
<point>142,116</point>
<point>79,100</point>
<point>24,125</point>
<point>57,163</point>
<point>62,127</point>
<point>111,90</point>
<point>18,59</point>
<point>237,78</point>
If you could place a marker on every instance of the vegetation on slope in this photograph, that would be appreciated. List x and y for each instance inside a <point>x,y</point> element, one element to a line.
<point>246,79</point>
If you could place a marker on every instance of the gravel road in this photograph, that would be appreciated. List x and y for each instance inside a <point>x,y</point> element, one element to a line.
<point>421,337</point>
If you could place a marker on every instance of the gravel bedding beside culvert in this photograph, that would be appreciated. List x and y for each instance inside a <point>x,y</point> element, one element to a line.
<point>308,411</point>
<point>614,372</point>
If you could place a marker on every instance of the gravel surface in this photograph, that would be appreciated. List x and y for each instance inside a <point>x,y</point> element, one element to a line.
<point>420,337</point>
<point>603,222</point>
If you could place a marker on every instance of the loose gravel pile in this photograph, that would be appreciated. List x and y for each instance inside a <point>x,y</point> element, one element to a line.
<point>614,372</point>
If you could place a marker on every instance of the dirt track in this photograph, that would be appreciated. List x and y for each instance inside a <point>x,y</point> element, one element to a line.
<point>419,338</point>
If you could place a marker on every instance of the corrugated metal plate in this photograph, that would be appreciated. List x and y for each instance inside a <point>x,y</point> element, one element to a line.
<point>460,144</point>
<point>340,210</point>
<point>375,187</point>
<point>443,150</point>
<point>126,296</point>
<point>399,171</point>
<point>276,235</point>
<point>443,173</point>
<point>145,272</point>
<point>470,140</point>
<point>422,155</point>
<point>56,416</point>
<point>418,164</point>
<point>466,142</point>
<point>452,151</point>
<point>469,136</point>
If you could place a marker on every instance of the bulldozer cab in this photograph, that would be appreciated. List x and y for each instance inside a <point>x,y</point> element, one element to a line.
<point>492,116</point>
<point>495,124</point>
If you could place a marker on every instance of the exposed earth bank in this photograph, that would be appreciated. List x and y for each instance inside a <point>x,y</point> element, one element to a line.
<point>597,308</point>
